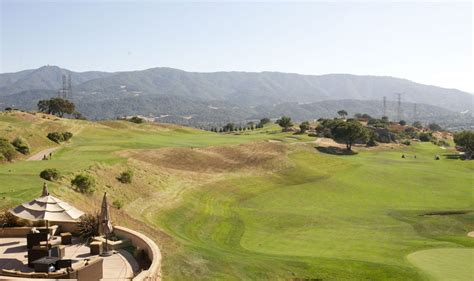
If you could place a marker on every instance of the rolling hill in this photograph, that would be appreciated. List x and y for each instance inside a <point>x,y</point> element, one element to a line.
<point>209,98</point>
<point>261,205</point>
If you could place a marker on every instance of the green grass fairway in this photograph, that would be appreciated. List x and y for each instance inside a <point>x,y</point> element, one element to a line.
<point>451,264</point>
<point>237,207</point>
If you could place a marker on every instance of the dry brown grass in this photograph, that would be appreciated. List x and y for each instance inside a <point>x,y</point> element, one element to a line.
<point>213,159</point>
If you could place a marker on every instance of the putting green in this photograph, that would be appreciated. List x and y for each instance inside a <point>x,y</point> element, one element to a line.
<point>450,264</point>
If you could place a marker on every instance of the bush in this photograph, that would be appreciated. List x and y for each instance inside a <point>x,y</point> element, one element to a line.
<point>7,219</point>
<point>7,150</point>
<point>84,183</point>
<point>126,177</point>
<point>21,145</point>
<point>117,204</point>
<point>425,137</point>
<point>49,174</point>
<point>57,137</point>
<point>88,226</point>
<point>402,122</point>
<point>137,120</point>
<point>406,142</point>
<point>67,136</point>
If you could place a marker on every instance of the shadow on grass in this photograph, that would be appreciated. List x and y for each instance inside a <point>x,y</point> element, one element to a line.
<point>335,150</point>
<point>452,156</point>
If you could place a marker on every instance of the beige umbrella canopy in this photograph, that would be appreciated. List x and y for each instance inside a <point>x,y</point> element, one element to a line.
<point>47,208</point>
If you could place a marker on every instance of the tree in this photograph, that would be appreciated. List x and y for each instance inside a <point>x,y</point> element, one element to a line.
<point>350,132</point>
<point>434,127</point>
<point>284,122</point>
<point>418,125</point>
<point>229,127</point>
<point>56,106</point>
<point>402,122</point>
<point>136,120</point>
<point>304,126</point>
<point>342,113</point>
<point>385,119</point>
<point>465,141</point>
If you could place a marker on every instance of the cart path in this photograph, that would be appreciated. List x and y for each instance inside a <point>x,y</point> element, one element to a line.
<point>39,156</point>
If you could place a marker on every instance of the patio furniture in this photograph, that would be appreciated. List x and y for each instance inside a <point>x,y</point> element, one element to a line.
<point>36,253</point>
<point>34,239</point>
<point>96,248</point>
<point>88,270</point>
<point>43,264</point>
<point>105,226</point>
<point>67,263</point>
<point>58,251</point>
<point>66,238</point>
<point>51,230</point>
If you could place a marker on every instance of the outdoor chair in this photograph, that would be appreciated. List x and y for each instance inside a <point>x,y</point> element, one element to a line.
<point>36,253</point>
<point>88,270</point>
<point>34,239</point>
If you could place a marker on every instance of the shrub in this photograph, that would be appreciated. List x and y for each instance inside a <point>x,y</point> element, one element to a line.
<point>304,126</point>
<point>21,145</point>
<point>435,127</point>
<point>406,142</point>
<point>126,177</point>
<point>49,174</point>
<point>7,219</point>
<point>117,204</point>
<point>67,136</point>
<point>137,120</point>
<point>57,137</point>
<point>402,122</point>
<point>88,226</point>
<point>7,150</point>
<point>425,137</point>
<point>84,183</point>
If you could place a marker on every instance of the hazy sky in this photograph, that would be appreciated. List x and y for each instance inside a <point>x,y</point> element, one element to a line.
<point>425,42</point>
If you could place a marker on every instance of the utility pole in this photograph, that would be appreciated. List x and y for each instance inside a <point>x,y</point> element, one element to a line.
<point>384,106</point>
<point>414,112</point>
<point>399,108</point>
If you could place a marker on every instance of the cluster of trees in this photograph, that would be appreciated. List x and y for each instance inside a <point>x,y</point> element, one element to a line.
<point>56,106</point>
<point>348,132</point>
<point>231,127</point>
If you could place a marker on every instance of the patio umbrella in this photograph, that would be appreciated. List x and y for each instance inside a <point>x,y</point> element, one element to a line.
<point>47,208</point>
<point>105,225</point>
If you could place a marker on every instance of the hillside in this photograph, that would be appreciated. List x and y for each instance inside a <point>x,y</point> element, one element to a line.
<point>259,205</point>
<point>235,96</point>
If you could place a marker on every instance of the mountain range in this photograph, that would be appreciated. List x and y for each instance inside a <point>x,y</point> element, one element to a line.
<point>206,99</point>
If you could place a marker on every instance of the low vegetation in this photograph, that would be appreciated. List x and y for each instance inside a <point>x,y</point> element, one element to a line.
<point>126,176</point>
<point>89,226</point>
<point>21,145</point>
<point>59,137</point>
<point>7,150</point>
<point>84,183</point>
<point>50,174</point>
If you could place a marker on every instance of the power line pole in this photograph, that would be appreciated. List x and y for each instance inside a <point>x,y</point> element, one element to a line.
<point>414,112</point>
<point>384,106</point>
<point>399,108</point>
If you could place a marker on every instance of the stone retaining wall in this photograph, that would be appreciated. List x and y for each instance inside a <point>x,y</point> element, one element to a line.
<point>142,242</point>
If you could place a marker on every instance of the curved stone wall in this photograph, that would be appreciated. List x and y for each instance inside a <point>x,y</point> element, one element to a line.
<point>142,242</point>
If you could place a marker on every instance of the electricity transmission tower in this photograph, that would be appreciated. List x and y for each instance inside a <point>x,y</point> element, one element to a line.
<point>399,106</point>
<point>66,89</point>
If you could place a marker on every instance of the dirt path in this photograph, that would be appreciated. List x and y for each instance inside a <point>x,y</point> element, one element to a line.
<point>39,156</point>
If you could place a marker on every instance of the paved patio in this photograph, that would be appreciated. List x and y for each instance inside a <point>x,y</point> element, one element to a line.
<point>119,266</point>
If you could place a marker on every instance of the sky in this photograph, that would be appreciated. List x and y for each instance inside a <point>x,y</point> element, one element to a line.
<point>430,43</point>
